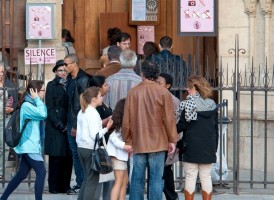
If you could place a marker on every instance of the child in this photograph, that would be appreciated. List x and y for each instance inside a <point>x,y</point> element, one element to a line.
<point>89,124</point>
<point>119,152</point>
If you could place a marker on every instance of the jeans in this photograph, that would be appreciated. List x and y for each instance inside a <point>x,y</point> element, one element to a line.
<point>26,164</point>
<point>78,170</point>
<point>155,162</point>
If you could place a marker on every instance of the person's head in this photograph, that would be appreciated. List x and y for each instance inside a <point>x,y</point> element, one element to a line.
<point>124,42</point>
<point>199,84</point>
<point>113,35</point>
<point>149,71</point>
<point>150,48</point>
<point>118,114</point>
<point>66,36</point>
<point>59,69</point>
<point>114,52</point>
<point>128,59</point>
<point>91,96</point>
<point>165,43</point>
<point>37,85</point>
<point>100,81</point>
<point>71,62</point>
<point>165,80</point>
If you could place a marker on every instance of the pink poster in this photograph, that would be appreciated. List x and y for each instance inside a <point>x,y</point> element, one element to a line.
<point>144,34</point>
<point>39,21</point>
<point>197,16</point>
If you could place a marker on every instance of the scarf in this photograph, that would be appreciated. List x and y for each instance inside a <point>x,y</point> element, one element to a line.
<point>63,82</point>
<point>193,104</point>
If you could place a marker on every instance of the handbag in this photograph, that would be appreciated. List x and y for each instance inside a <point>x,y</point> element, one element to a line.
<point>106,177</point>
<point>173,158</point>
<point>101,162</point>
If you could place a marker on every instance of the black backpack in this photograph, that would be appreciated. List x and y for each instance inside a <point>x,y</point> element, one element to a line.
<point>12,133</point>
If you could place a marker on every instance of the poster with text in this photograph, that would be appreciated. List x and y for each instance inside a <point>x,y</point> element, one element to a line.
<point>39,21</point>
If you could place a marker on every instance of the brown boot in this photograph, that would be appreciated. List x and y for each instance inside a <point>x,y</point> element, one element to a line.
<point>188,196</point>
<point>206,196</point>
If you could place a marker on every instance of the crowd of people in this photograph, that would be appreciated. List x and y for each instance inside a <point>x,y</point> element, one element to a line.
<point>129,103</point>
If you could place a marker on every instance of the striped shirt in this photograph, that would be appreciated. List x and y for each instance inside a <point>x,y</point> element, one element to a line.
<point>119,85</point>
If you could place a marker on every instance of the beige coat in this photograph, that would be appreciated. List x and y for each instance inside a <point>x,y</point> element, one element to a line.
<point>149,123</point>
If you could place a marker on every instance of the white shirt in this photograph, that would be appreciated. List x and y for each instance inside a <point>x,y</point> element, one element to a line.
<point>89,124</point>
<point>115,146</point>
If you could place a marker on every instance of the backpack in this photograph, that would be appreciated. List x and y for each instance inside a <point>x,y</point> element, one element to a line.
<point>12,133</point>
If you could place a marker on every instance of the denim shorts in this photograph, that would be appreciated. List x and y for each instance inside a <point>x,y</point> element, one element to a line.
<point>118,164</point>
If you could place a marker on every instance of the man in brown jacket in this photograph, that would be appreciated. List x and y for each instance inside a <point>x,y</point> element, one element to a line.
<point>149,125</point>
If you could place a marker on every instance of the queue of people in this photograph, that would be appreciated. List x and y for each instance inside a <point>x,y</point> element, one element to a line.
<point>136,114</point>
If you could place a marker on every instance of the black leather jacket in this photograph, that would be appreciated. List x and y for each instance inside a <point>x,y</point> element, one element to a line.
<point>82,82</point>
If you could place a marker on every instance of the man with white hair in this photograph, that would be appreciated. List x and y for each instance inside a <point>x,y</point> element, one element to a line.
<point>122,81</point>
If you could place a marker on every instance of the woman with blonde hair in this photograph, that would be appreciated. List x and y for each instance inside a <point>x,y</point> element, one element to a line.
<point>89,124</point>
<point>199,123</point>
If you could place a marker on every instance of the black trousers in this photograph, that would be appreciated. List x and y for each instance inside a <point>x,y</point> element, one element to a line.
<point>60,169</point>
<point>169,187</point>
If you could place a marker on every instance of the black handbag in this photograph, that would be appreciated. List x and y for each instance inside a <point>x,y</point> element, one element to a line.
<point>101,162</point>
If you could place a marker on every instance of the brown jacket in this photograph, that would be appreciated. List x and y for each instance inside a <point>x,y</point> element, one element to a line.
<point>149,123</point>
<point>111,68</point>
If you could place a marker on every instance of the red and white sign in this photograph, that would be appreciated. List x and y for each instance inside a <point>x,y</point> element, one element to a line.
<point>40,56</point>
<point>197,16</point>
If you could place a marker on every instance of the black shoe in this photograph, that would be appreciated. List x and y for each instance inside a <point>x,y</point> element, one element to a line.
<point>53,192</point>
<point>74,190</point>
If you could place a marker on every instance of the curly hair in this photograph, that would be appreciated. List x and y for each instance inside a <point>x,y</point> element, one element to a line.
<point>201,85</point>
<point>118,114</point>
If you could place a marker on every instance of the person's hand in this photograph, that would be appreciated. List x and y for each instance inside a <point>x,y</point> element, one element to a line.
<point>171,148</point>
<point>128,148</point>
<point>73,132</point>
<point>8,110</point>
<point>109,124</point>
<point>33,93</point>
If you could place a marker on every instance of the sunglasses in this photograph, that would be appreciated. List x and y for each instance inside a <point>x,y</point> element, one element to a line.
<point>67,64</point>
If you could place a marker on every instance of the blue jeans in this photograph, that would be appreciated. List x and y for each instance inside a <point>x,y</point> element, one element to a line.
<point>78,170</point>
<point>155,162</point>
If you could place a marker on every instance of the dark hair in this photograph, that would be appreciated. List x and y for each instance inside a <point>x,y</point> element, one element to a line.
<point>150,48</point>
<point>168,78</point>
<point>118,114</point>
<point>113,35</point>
<point>87,95</point>
<point>124,36</point>
<point>114,52</point>
<point>66,34</point>
<point>73,58</point>
<point>166,42</point>
<point>35,84</point>
<point>149,71</point>
<point>97,81</point>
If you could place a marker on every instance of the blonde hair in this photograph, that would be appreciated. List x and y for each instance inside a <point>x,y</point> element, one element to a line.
<point>201,85</point>
<point>86,97</point>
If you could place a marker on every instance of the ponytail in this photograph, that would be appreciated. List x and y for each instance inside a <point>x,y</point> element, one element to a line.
<point>83,103</point>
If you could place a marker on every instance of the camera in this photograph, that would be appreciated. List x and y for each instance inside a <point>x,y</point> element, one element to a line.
<point>191,3</point>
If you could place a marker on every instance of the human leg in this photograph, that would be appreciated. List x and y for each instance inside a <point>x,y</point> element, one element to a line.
<point>53,174</point>
<point>124,186</point>
<point>119,178</point>
<point>169,187</point>
<point>107,187</point>
<point>206,181</point>
<point>24,169</point>
<point>78,170</point>
<point>191,172</point>
<point>40,172</point>
<point>156,163</point>
<point>67,170</point>
<point>137,177</point>
<point>91,178</point>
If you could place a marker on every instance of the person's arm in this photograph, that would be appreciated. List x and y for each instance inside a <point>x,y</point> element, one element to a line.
<point>116,141</point>
<point>53,117</point>
<point>182,123</point>
<point>217,130</point>
<point>38,112</point>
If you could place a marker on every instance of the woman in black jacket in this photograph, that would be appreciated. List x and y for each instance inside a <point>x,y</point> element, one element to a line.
<point>56,141</point>
<point>199,123</point>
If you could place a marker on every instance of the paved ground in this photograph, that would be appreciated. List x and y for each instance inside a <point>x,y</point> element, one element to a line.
<point>26,192</point>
